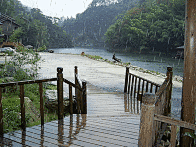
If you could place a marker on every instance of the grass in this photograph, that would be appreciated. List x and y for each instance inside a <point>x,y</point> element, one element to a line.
<point>93,56</point>
<point>11,106</point>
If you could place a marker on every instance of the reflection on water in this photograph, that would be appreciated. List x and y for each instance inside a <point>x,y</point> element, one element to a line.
<point>156,63</point>
<point>67,131</point>
<point>131,104</point>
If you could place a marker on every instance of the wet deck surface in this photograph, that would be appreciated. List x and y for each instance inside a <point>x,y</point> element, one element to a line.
<point>106,124</point>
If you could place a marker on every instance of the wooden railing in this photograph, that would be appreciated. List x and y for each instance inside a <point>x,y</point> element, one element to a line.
<point>155,116</point>
<point>60,80</point>
<point>135,86</point>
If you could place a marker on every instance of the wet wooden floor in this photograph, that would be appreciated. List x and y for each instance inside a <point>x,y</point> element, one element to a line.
<point>108,122</point>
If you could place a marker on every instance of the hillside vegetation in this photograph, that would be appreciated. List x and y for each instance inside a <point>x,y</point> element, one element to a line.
<point>36,29</point>
<point>129,25</point>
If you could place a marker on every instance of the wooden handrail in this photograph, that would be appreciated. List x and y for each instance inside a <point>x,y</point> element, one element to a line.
<point>80,95</point>
<point>175,122</point>
<point>27,82</point>
<point>159,103</point>
<point>131,84</point>
<point>72,84</point>
<point>145,80</point>
<point>81,89</point>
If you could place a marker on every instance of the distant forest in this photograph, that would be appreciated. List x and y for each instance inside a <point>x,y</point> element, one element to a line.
<point>36,29</point>
<point>132,25</point>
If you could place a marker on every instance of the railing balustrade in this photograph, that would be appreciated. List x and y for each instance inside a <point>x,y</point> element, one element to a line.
<point>80,97</point>
<point>135,86</point>
<point>155,116</point>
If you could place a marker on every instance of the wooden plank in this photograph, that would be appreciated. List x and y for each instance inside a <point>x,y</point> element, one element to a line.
<point>41,104</point>
<point>173,136</point>
<point>22,108</point>
<point>175,122</point>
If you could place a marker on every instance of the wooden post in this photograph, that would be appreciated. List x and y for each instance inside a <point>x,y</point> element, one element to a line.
<point>189,91</point>
<point>142,87</point>
<point>134,98</point>
<point>81,101</point>
<point>1,114</point>
<point>70,100</point>
<point>60,132</point>
<point>173,135</point>
<point>129,83</point>
<point>70,130</point>
<point>23,137</point>
<point>126,79</point>
<point>77,93</point>
<point>146,136</point>
<point>60,92</point>
<point>147,86</point>
<point>151,87</point>
<point>76,81</point>
<point>22,108</point>
<point>41,104</point>
<point>132,81</point>
<point>169,89</point>
<point>84,95</point>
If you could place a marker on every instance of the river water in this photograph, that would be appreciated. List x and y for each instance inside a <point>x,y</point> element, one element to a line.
<point>157,63</point>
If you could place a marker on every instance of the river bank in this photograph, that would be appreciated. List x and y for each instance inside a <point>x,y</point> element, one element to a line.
<point>90,65</point>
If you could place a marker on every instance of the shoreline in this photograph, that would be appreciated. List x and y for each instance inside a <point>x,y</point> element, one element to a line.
<point>136,68</point>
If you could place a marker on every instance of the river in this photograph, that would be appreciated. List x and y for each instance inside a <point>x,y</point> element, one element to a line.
<point>150,62</point>
<point>157,63</point>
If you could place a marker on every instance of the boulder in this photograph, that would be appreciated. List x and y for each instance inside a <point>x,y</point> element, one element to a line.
<point>51,101</point>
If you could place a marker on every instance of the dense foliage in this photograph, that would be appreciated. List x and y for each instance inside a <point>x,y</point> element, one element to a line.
<point>36,28</point>
<point>156,26</point>
<point>88,28</point>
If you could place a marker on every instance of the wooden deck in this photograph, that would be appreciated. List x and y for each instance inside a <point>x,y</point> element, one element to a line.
<point>105,124</point>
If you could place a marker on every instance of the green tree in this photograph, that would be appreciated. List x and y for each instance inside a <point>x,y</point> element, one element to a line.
<point>15,37</point>
<point>152,26</point>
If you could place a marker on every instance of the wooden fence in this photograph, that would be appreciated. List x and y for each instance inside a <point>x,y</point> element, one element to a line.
<point>155,116</point>
<point>135,86</point>
<point>80,96</point>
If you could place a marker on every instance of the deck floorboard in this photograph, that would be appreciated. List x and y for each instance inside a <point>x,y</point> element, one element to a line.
<point>105,124</point>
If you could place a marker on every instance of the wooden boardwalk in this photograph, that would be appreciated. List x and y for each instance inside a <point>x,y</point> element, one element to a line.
<point>105,124</point>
